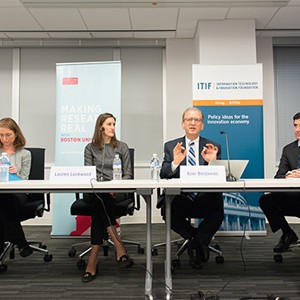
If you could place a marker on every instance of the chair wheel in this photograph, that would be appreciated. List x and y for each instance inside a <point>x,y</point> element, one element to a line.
<point>141,250</point>
<point>72,252</point>
<point>48,257</point>
<point>81,264</point>
<point>219,259</point>
<point>278,258</point>
<point>154,252</point>
<point>3,268</point>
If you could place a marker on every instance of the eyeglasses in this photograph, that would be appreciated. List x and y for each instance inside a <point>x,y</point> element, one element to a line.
<point>190,120</point>
<point>7,136</point>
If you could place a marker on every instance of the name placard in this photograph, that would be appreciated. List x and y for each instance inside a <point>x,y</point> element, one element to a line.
<point>73,173</point>
<point>203,173</point>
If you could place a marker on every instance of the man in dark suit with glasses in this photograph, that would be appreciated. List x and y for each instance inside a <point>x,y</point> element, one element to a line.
<point>193,149</point>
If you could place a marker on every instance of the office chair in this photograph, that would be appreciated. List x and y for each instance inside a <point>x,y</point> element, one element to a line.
<point>182,244</point>
<point>34,207</point>
<point>125,207</point>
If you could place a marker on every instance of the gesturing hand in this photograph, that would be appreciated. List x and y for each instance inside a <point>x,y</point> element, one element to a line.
<point>209,152</point>
<point>179,153</point>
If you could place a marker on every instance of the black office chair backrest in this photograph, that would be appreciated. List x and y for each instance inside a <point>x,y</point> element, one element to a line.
<point>35,205</point>
<point>124,205</point>
<point>37,170</point>
<point>131,153</point>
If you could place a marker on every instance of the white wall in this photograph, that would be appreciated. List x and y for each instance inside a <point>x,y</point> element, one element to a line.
<point>226,42</point>
<point>180,56</point>
<point>5,81</point>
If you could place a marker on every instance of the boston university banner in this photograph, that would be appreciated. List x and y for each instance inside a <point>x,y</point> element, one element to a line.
<point>231,99</point>
<point>84,90</point>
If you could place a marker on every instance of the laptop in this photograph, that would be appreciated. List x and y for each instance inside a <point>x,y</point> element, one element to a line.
<point>237,167</point>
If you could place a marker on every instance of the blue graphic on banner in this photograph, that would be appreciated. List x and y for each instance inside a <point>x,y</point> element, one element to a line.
<point>240,216</point>
<point>230,97</point>
<point>243,125</point>
<point>84,90</point>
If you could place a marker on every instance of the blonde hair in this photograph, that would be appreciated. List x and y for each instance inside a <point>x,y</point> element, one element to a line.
<point>192,109</point>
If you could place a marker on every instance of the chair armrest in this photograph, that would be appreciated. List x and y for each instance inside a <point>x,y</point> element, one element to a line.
<point>137,202</point>
<point>47,207</point>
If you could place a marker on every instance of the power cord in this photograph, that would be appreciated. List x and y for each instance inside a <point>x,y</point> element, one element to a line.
<point>97,196</point>
<point>154,278</point>
<point>210,296</point>
<point>241,245</point>
<point>134,263</point>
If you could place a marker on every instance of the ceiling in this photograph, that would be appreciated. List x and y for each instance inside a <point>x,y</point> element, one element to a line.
<point>74,21</point>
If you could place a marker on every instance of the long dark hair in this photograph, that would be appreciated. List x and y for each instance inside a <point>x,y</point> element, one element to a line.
<point>11,124</point>
<point>98,140</point>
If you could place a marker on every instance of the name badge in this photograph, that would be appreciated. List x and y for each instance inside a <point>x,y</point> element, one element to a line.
<point>202,173</point>
<point>74,174</point>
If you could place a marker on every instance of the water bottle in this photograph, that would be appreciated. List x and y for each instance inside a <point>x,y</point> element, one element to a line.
<point>155,167</point>
<point>4,167</point>
<point>117,168</point>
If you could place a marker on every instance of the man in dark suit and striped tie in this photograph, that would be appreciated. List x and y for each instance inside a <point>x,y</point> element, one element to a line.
<point>278,205</point>
<point>193,149</point>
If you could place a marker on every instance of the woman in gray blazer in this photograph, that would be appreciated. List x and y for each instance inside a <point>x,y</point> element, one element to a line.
<point>12,142</point>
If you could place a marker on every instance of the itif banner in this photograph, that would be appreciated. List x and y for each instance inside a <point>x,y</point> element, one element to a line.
<point>84,91</point>
<point>231,99</point>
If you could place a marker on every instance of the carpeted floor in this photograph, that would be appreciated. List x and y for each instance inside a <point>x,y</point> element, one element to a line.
<point>249,271</point>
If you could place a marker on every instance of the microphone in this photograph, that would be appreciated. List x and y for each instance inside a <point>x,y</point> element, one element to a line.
<point>229,176</point>
<point>104,142</point>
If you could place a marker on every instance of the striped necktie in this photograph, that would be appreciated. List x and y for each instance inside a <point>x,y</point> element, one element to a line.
<point>192,162</point>
<point>192,155</point>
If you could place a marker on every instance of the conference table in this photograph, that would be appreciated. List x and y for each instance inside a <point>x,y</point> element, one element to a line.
<point>174,187</point>
<point>143,188</point>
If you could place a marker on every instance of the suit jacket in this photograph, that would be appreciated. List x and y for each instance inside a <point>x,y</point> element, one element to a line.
<point>166,169</point>
<point>289,159</point>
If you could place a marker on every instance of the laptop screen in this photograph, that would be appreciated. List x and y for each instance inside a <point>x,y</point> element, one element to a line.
<point>237,167</point>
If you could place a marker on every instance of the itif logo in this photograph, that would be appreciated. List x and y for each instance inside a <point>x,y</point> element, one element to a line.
<point>204,85</point>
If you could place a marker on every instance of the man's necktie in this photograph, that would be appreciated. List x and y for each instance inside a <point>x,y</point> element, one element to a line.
<point>192,155</point>
<point>298,163</point>
<point>192,162</point>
